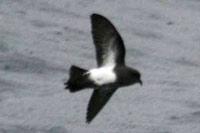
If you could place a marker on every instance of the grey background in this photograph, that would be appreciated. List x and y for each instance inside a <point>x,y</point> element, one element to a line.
<point>40,39</point>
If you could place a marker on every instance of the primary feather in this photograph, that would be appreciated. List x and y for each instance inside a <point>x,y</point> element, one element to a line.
<point>109,45</point>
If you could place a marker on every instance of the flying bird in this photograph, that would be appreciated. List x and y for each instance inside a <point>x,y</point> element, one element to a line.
<point>112,71</point>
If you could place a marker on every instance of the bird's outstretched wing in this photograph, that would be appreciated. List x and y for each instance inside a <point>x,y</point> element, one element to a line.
<point>109,45</point>
<point>97,101</point>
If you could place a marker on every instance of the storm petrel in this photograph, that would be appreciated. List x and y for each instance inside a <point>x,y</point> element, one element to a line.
<point>111,72</point>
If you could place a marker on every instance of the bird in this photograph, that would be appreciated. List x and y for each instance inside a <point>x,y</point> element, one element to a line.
<point>111,72</point>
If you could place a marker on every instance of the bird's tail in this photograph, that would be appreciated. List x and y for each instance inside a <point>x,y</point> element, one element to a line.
<point>78,79</point>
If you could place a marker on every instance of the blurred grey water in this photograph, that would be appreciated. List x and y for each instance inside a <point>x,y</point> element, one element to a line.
<point>41,39</point>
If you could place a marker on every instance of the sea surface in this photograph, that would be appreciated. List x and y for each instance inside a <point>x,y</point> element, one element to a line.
<point>41,39</point>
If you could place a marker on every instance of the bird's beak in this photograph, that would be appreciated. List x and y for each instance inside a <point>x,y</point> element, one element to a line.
<point>140,82</point>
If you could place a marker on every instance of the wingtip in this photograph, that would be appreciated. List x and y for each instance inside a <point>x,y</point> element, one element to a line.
<point>96,15</point>
<point>88,120</point>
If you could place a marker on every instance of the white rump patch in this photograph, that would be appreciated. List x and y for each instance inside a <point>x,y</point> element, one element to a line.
<point>102,75</point>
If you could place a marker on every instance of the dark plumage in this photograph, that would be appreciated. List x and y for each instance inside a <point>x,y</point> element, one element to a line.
<point>112,71</point>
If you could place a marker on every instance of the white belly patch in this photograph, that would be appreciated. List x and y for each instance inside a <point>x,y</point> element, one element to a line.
<point>103,75</point>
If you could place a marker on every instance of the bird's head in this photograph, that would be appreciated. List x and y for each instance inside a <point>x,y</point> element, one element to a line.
<point>128,76</point>
<point>136,76</point>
